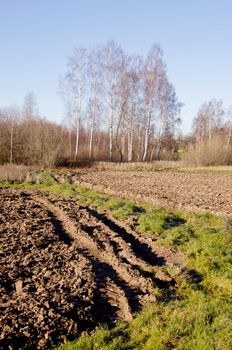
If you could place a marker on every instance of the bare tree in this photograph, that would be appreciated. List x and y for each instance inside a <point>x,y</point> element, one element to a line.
<point>168,110</point>
<point>133,77</point>
<point>30,107</point>
<point>113,61</point>
<point>209,118</point>
<point>10,116</point>
<point>30,117</point>
<point>73,88</point>
<point>122,99</point>
<point>95,72</point>
<point>151,72</point>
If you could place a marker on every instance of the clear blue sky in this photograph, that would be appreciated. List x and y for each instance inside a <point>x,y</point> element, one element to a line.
<point>36,37</point>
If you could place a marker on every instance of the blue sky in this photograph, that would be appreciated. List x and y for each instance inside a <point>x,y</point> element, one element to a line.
<point>36,37</point>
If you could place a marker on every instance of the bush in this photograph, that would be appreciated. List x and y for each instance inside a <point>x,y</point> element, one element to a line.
<point>209,152</point>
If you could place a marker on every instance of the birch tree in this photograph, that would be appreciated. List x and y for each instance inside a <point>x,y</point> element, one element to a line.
<point>73,88</point>
<point>30,117</point>
<point>120,137</point>
<point>113,61</point>
<point>133,77</point>
<point>96,87</point>
<point>168,110</point>
<point>151,73</point>
<point>30,109</point>
<point>124,91</point>
<point>209,118</point>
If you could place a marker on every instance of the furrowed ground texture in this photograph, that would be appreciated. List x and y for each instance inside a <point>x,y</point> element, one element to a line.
<point>197,191</point>
<point>73,259</point>
<point>65,268</point>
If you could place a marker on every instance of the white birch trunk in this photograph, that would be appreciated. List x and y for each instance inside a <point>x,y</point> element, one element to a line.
<point>123,145</point>
<point>91,133</point>
<point>146,137</point>
<point>11,143</point>
<point>111,136</point>
<point>78,122</point>
<point>70,143</point>
<point>77,137</point>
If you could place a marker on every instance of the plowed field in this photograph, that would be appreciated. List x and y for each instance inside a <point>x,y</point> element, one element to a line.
<point>210,192</point>
<point>65,268</point>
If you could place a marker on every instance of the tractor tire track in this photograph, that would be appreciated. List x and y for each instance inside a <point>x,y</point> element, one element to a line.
<point>67,268</point>
<point>99,246</point>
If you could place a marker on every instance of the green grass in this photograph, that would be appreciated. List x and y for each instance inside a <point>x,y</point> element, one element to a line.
<point>200,315</point>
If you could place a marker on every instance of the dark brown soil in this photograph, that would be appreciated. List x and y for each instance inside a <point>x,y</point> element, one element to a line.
<point>211,192</point>
<point>65,268</point>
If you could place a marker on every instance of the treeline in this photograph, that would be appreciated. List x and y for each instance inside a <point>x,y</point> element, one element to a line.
<point>118,107</point>
<point>26,138</point>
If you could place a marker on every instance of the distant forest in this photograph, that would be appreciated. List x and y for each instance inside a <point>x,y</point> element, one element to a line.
<point>118,107</point>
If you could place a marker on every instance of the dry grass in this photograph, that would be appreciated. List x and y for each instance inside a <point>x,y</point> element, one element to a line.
<point>176,166</point>
<point>214,152</point>
<point>137,166</point>
<point>19,173</point>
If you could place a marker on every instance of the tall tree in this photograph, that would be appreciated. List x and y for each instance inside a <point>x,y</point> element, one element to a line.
<point>133,77</point>
<point>151,72</point>
<point>209,118</point>
<point>127,99</point>
<point>112,62</point>
<point>30,107</point>
<point>168,110</point>
<point>73,88</point>
<point>123,97</point>
<point>95,72</point>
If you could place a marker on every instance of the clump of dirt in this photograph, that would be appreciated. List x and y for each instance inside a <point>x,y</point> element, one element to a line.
<point>211,192</point>
<point>65,268</point>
